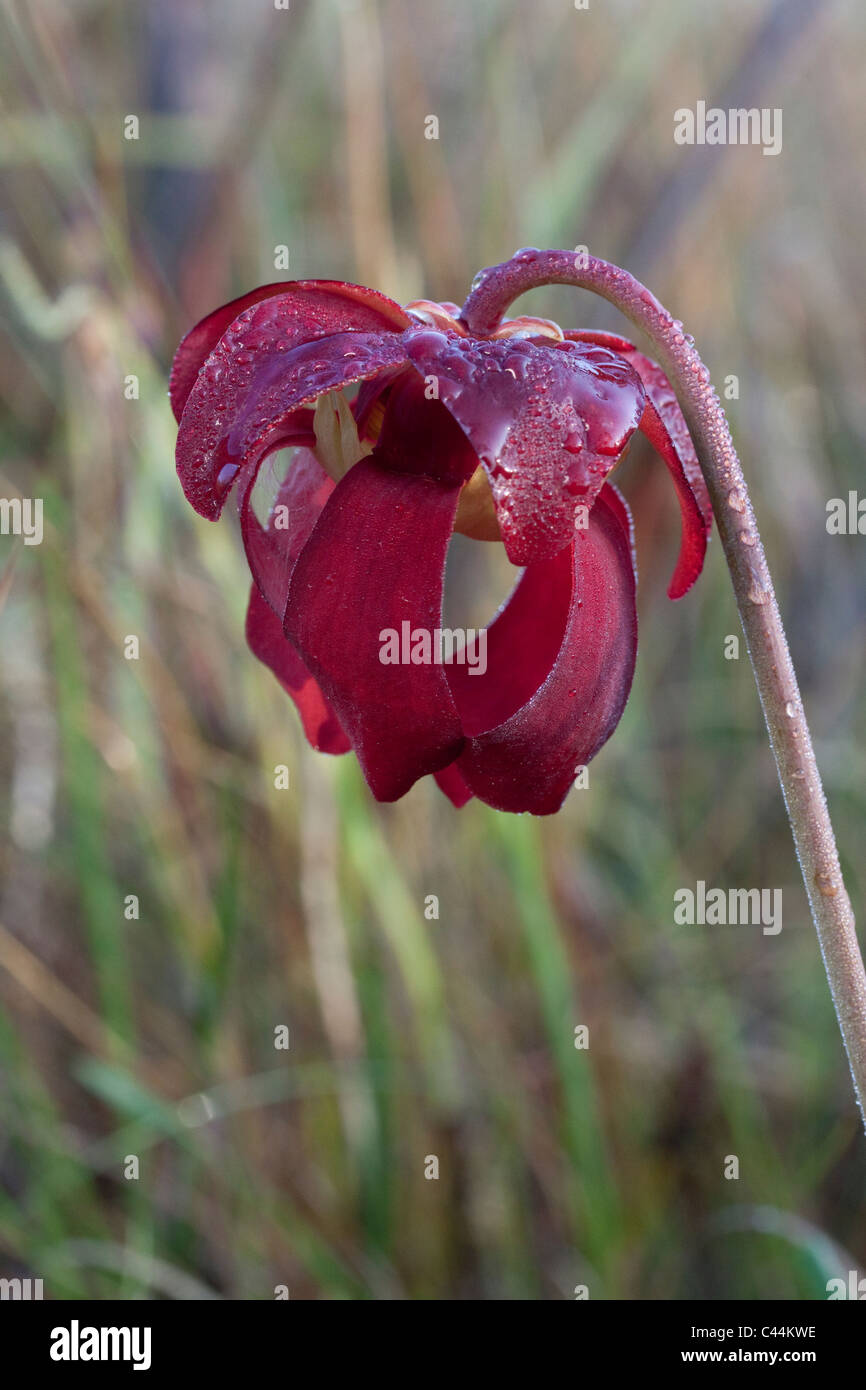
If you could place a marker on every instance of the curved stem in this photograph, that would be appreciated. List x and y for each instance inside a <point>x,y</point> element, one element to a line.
<point>791,741</point>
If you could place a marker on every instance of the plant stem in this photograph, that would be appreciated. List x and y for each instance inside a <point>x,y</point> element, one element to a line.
<point>777,685</point>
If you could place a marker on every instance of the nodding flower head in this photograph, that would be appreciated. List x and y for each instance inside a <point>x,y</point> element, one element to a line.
<point>507,435</point>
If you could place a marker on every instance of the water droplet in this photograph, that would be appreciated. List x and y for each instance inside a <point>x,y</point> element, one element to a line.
<point>573,442</point>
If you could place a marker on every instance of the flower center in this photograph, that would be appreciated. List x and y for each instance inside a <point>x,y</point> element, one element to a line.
<point>525,326</point>
<point>338,446</point>
<point>445,317</point>
<point>441,316</point>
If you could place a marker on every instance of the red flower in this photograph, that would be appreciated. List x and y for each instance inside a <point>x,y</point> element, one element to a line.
<point>510,434</point>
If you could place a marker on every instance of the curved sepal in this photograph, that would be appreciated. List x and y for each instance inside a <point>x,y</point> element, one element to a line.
<point>317,307</point>
<point>665,427</point>
<point>547,422</point>
<point>267,641</point>
<point>560,661</point>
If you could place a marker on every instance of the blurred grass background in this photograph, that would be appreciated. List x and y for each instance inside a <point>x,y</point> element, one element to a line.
<point>154,1036</point>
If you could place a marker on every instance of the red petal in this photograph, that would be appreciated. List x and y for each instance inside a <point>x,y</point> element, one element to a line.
<point>665,427</point>
<point>376,559</point>
<point>370,393</point>
<point>201,340</point>
<point>419,435</point>
<point>267,642</point>
<point>249,389</point>
<point>273,550</point>
<point>317,307</point>
<point>571,626</point>
<point>272,553</point>
<point>450,781</point>
<point>547,423</point>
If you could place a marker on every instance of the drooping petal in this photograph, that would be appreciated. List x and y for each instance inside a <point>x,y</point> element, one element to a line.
<point>371,575</point>
<point>547,422</point>
<point>268,642</point>
<point>272,550</point>
<point>419,435</point>
<point>314,307</point>
<point>252,384</point>
<point>523,642</point>
<point>665,427</point>
<point>570,633</point>
<point>450,780</point>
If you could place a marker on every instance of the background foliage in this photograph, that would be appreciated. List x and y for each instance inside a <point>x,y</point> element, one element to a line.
<point>258,907</point>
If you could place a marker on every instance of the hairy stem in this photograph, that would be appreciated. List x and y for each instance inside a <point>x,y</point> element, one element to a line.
<point>492,292</point>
